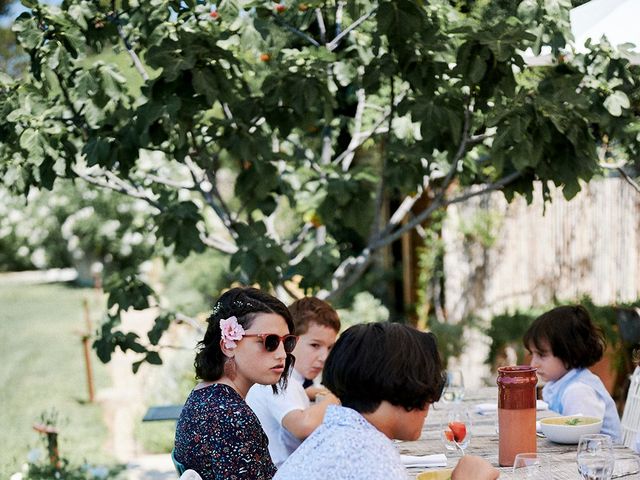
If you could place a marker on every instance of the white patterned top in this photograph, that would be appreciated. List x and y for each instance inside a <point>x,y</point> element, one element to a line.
<point>344,447</point>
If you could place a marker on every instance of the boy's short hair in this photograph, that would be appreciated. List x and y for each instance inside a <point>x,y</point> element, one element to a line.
<point>374,362</point>
<point>571,335</point>
<point>313,310</point>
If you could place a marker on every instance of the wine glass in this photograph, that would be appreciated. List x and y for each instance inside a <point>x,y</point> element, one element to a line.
<point>531,466</point>
<point>595,457</point>
<point>453,387</point>
<point>455,431</point>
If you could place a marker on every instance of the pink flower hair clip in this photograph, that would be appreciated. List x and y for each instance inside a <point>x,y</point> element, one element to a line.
<point>231,331</point>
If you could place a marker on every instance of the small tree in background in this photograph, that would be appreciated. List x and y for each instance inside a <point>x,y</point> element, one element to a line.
<point>278,132</point>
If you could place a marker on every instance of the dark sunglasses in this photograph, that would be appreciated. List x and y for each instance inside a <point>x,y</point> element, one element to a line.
<point>271,341</point>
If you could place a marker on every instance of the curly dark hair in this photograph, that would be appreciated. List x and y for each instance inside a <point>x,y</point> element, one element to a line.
<point>244,303</point>
<point>571,334</point>
<point>374,362</point>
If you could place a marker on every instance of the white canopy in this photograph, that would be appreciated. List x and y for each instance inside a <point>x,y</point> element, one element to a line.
<point>617,20</point>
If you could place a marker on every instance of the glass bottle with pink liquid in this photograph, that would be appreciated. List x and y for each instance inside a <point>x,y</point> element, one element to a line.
<point>516,412</point>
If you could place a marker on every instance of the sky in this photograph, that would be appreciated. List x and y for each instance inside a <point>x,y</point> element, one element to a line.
<point>16,9</point>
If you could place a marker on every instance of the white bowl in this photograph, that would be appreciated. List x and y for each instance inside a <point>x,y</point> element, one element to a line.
<point>569,429</point>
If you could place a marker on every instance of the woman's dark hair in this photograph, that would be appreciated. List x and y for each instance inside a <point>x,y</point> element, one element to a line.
<point>245,303</point>
<point>384,361</point>
<point>571,335</point>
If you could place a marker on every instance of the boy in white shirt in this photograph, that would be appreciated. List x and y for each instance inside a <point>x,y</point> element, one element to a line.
<point>289,416</point>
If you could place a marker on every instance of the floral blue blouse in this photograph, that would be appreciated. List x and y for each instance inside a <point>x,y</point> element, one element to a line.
<point>220,437</point>
<point>345,447</point>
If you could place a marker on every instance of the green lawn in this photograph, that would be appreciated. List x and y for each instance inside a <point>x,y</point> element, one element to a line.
<point>42,368</point>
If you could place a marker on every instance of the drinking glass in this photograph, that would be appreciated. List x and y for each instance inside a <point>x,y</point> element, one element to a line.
<point>455,430</point>
<point>595,457</point>
<point>531,466</point>
<point>454,387</point>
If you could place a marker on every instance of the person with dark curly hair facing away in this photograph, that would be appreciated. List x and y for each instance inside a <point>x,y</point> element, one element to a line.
<point>249,340</point>
<point>386,376</point>
<point>563,343</point>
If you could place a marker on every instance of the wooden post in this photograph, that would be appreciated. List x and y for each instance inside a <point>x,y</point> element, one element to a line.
<point>87,350</point>
<point>97,283</point>
<point>52,443</point>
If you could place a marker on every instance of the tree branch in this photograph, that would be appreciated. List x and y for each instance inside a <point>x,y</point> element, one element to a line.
<point>321,26</point>
<point>290,247</point>
<point>476,139</point>
<point>339,10</point>
<point>325,156</point>
<point>619,168</point>
<point>346,274</point>
<point>351,268</point>
<point>119,186</point>
<point>134,56</point>
<point>77,117</point>
<point>217,204</point>
<point>358,139</point>
<point>170,183</point>
<point>218,243</point>
<point>336,41</point>
<point>464,140</point>
<point>295,31</point>
<point>376,226</point>
<point>112,182</point>
<point>227,218</point>
<point>347,156</point>
<point>629,180</point>
<point>440,203</point>
<point>181,318</point>
<point>228,115</point>
<point>397,216</point>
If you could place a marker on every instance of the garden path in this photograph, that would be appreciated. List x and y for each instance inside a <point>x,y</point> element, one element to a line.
<point>123,408</point>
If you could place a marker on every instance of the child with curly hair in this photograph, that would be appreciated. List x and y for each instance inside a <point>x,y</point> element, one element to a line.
<point>563,343</point>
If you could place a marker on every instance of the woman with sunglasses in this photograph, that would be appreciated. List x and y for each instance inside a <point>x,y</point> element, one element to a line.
<point>249,340</point>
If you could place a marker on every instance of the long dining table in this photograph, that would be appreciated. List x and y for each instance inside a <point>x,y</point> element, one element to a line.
<point>484,441</point>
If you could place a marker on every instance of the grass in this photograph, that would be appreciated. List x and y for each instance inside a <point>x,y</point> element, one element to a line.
<point>43,370</point>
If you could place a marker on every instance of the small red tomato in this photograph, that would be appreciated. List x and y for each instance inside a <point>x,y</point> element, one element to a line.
<point>280,8</point>
<point>459,430</point>
<point>265,57</point>
<point>449,435</point>
<point>214,15</point>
